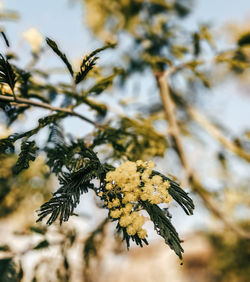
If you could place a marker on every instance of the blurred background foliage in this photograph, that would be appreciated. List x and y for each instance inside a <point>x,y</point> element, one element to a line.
<point>16,191</point>
<point>152,38</point>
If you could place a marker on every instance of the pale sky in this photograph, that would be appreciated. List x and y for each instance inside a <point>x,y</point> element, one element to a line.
<point>61,20</point>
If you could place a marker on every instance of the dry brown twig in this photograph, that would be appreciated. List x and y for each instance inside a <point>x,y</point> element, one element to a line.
<point>21,101</point>
<point>192,178</point>
<point>215,132</point>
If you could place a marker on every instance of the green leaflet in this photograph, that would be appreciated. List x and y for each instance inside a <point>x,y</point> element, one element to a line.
<point>27,154</point>
<point>7,74</point>
<point>164,228</point>
<point>178,194</point>
<point>52,44</point>
<point>88,63</point>
<point>73,184</point>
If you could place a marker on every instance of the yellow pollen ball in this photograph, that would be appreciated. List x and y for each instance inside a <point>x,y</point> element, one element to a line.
<point>125,220</point>
<point>115,213</point>
<point>129,183</point>
<point>115,202</point>
<point>131,230</point>
<point>156,180</point>
<point>128,208</point>
<point>109,186</point>
<point>142,234</point>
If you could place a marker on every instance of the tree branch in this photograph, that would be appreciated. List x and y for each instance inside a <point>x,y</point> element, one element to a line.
<point>169,108</point>
<point>21,101</point>
<point>214,131</point>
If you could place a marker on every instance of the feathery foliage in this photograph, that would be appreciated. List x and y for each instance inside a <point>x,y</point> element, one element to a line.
<point>7,74</point>
<point>52,44</point>
<point>180,196</point>
<point>73,184</point>
<point>164,228</point>
<point>12,113</point>
<point>27,154</point>
<point>135,139</point>
<point>88,63</point>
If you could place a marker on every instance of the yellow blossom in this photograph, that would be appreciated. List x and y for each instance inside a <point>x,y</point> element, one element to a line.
<point>150,164</point>
<point>109,176</point>
<point>128,208</point>
<point>129,197</point>
<point>156,180</point>
<point>125,220</point>
<point>109,186</point>
<point>140,163</point>
<point>145,197</point>
<point>131,230</point>
<point>138,222</point>
<point>162,190</point>
<point>115,213</point>
<point>155,199</point>
<point>133,181</point>
<point>148,188</point>
<point>116,202</point>
<point>142,234</point>
<point>128,187</point>
<point>145,175</point>
<point>166,184</point>
<point>33,36</point>
<point>168,199</point>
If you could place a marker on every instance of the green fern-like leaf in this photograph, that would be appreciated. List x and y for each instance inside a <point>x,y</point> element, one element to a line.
<point>164,228</point>
<point>102,84</point>
<point>7,145</point>
<point>88,63</point>
<point>7,74</point>
<point>127,238</point>
<point>27,154</point>
<point>52,44</point>
<point>178,194</point>
<point>5,38</point>
<point>73,184</point>
<point>244,39</point>
<point>86,66</point>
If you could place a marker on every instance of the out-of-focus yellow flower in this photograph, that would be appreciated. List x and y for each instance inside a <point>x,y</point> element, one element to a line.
<point>1,6</point>
<point>35,39</point>
<point>4,132</point>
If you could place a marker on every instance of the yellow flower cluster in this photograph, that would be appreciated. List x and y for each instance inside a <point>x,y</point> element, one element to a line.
<point>133,182</point>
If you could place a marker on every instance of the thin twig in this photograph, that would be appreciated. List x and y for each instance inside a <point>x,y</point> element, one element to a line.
<point>47,106</point>
<point>214,131</point>
<point>14,95</point>
<point>214,59</point>
<point>169,107</point>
